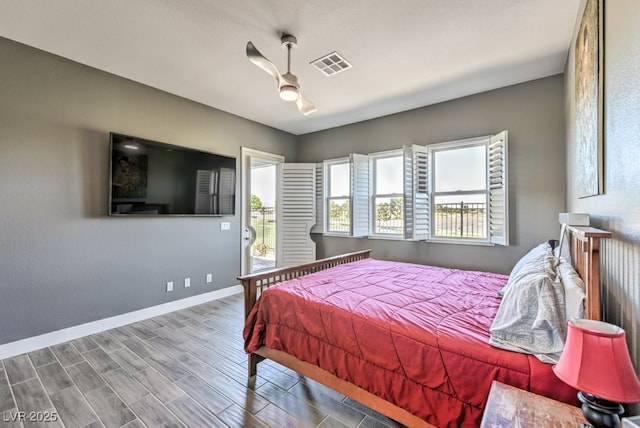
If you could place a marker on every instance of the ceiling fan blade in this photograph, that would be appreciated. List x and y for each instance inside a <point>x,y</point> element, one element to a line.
<point>305,107</point>
<point>258,59</point>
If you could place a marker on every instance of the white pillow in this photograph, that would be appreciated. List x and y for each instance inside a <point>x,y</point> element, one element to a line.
<point>537,253</point>
<point>531,317</point>
<point>563,250</point>
<point>574,290</point>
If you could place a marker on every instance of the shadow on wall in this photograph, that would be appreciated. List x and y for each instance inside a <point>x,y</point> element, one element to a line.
<point>94,155</point>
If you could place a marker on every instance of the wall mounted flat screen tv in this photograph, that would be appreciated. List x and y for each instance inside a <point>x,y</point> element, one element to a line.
<point>152,178</point>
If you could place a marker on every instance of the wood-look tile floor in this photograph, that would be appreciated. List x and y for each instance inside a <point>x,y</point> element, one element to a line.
<point>185,368</point>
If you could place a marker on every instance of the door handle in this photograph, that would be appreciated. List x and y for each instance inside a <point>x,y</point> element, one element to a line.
<point>249,234</point>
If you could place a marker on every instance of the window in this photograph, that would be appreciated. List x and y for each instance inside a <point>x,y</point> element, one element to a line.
<point>338,175</point>
<point>388,194</point>
<point>460,192</point>
<point>469,190</point>
<point>342,196</point>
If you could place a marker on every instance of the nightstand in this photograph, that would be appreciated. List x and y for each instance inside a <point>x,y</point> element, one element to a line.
<point>508,406</point>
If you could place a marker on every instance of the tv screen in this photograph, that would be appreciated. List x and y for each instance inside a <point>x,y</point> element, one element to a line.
<point>152,178</point>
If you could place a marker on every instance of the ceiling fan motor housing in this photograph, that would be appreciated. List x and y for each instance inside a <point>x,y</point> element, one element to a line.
<point>288,41</point>
<point>288,93</point>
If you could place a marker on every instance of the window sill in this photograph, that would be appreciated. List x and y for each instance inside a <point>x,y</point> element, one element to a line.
<point>388,237</point>
<point>460,242</point>
<point>400,238</point>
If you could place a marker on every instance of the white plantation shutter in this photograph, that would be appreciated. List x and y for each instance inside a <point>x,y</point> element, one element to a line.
<point>296,200</point>
<point>319,227</point>
<point>407,184</point>
<point>205,185</point>
<point>416,193</point>
<point>360,206</point>
<point>498,189</point>
<point>421,174</point>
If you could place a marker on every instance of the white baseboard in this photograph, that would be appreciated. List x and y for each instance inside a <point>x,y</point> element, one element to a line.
<point>55,337</point>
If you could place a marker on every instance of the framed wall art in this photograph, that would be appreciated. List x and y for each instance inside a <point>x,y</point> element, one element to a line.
<point>589,101</point>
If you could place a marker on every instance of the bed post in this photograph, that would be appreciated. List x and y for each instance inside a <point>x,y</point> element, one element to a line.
<point>585,254</point>
<point>250,286</point>
<point>253,361</point>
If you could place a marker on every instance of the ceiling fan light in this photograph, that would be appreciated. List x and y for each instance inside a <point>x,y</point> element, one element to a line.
<point>289,93</point>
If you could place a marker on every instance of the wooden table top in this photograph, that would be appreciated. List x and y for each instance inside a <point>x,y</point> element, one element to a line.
<point>508,406</point>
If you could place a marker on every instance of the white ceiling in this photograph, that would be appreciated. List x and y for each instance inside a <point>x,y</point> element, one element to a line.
<point>405,53</point>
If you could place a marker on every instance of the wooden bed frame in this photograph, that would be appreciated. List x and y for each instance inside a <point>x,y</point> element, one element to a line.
<point>584,244</point>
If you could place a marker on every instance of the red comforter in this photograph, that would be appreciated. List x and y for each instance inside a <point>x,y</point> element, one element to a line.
<point>414,335</point>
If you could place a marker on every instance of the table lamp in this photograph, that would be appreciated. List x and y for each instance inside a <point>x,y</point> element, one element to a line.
<point>596,361</point>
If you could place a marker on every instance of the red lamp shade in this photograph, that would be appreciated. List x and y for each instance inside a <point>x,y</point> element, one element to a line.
<point>596,360</point>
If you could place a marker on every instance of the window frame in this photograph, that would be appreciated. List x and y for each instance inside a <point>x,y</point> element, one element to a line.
<point>432,149</point>
<point>373,157</point>
<point>328,198</point>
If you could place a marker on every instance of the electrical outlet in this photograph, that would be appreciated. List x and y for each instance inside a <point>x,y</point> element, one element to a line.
<point>225,225</point>
<point>209,278</point>
<point>187,282</point>
<point>169,286</point>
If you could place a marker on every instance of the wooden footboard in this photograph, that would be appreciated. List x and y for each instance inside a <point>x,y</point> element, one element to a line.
<point>253,284</point>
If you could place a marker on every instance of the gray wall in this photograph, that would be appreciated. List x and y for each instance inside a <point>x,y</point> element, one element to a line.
<point>532,113</point>
<point>618,209</point>
<point>63,262</point>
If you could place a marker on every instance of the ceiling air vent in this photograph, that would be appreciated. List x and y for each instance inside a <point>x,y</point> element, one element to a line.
<point>331,64</point>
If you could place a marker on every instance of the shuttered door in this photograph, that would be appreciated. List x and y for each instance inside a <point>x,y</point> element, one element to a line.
<point>296,203</point>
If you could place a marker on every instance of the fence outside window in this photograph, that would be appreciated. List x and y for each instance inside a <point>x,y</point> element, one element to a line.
<point>389,216</point>
<point>462,219</point>
<point>339,219</point>
<point>263,221</point>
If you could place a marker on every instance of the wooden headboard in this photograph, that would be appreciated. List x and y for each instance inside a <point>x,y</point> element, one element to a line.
<point>585,256</point>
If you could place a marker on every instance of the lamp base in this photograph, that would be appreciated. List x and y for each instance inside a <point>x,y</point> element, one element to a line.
<point>599,412</point>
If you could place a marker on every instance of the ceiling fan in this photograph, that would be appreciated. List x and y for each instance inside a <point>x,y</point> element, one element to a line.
<point>288,85</point>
